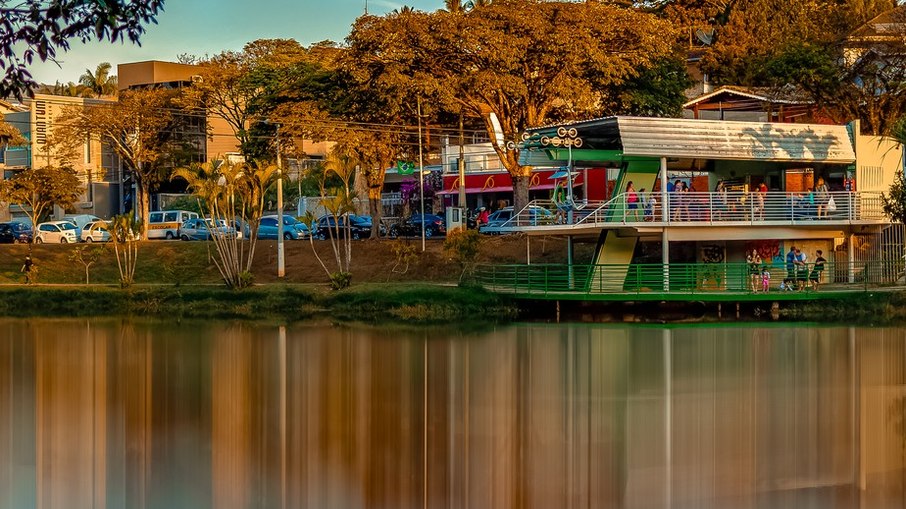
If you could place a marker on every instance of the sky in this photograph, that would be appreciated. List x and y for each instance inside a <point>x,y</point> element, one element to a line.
<point>200,27</point>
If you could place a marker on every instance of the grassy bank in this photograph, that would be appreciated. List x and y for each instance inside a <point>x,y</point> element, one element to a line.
<point>373,303</point>
<point>873,308</point>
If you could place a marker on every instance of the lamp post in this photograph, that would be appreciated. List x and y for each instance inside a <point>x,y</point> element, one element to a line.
<point>281,269</point>
<point>421,172</point>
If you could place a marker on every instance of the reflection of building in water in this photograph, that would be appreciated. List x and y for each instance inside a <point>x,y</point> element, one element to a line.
<point>533,416</point>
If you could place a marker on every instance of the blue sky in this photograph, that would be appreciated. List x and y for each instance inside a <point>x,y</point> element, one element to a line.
<point>202,27</point>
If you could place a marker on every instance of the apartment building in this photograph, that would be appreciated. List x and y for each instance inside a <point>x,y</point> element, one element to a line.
<point>97,166</point>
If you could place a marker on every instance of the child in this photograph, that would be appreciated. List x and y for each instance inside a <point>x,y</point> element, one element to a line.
<point>765,279</point>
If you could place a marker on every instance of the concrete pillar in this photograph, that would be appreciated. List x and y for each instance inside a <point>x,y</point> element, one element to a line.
<point>665,259</point>
<point>664,215</point>
<point>851,257</point>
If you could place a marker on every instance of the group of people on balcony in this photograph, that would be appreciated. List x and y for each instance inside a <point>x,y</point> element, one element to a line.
<point>724,204</point>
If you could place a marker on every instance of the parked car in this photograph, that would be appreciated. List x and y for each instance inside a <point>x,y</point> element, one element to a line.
<point>434,225</point>
<point>359,227</point>
<point>293,229</point>
<point>96,231</point>
<point>15,233</point>
<point>62,232</point>
<point>204,229</point>
<point>537,216</point>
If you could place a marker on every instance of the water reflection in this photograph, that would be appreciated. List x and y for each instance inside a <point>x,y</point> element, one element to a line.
<point>108,414</point>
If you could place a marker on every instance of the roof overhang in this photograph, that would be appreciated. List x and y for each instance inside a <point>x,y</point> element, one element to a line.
<point>700,139</point>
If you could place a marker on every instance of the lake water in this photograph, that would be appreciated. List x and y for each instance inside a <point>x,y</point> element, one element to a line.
<point>142,414</point>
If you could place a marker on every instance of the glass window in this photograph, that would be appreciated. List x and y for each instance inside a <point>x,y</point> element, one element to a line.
<point>156,217</point>
<point>268,221</point>
<point>169,217</point>
<point>46,228</point>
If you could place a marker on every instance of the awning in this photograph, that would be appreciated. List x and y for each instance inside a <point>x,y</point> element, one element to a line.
<point>500,189</point>
<point>701,139</point>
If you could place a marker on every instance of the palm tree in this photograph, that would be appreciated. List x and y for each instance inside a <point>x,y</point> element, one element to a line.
<point>99,82</point>
<point>231,194</point>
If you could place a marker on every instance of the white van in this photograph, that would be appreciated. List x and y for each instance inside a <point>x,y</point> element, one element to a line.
<point>80,220</point>
<point>164,224</point>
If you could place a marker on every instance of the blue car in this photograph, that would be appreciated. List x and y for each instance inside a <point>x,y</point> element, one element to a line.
<point>293,229</point>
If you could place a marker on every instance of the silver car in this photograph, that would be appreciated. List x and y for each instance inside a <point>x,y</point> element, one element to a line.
<point>204,229</point>
<point>96,231</point>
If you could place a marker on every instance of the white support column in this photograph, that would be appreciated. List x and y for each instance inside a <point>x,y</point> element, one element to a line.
<point>665,258</point>
<point>851,252</point>
<point>664,212</point>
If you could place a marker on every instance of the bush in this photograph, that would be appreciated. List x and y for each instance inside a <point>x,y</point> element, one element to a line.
<point>340,280</point>
<point>463,247</point>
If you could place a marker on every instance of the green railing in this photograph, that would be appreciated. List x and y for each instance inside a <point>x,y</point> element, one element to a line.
<point>675,278</point>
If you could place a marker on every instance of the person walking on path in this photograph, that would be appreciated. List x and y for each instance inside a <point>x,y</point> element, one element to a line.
<point>817,270</point>
<point>753,266</point>
<point>28,268</point>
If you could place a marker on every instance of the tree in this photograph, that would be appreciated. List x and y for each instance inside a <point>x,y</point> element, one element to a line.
<point>125,232</point>
<point>750,33</point>
<point>496,62</point>
<point>231,194</point>
<point>895,198</point>
<point>10,136</point>
<point>869,88</point>
<point>86,256</point>
<point>38,190</point>
<point>236,86</point>
<point>139,127</point>
<point>339,203</point>
<point>99,82</point>
<point>41,28</point>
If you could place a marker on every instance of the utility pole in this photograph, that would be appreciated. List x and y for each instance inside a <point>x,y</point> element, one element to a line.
<point>421,171</point>
<point>462,166</point>
<point>281,269</point>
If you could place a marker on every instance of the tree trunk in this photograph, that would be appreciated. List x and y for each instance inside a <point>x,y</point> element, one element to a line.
<point>144,207</point>
<point>375,208</point>
<point>520,192</point>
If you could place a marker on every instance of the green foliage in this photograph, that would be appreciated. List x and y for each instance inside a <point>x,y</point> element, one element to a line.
<point>187,202</point>
<point>340,280</point>
<point>895,199</point>
<point>99,82</point>
<point>659,90</point>
<point>36,29</point>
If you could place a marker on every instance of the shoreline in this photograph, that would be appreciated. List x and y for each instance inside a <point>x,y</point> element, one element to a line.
<point>416,303</point>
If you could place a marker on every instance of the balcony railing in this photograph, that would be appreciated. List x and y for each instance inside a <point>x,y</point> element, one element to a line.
<point>682,278</point>
<point>730,208</point>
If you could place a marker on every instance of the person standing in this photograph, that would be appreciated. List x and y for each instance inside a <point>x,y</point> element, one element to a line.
<point>753,266</point>
<point>822,197</point>
<point>801,270</point>
<point>790,267</point>
<point>632,202</point>
<point>817,270</point>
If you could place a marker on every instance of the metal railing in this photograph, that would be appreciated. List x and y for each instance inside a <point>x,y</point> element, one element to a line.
<point>715,208</point>
<point>681,278</point>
